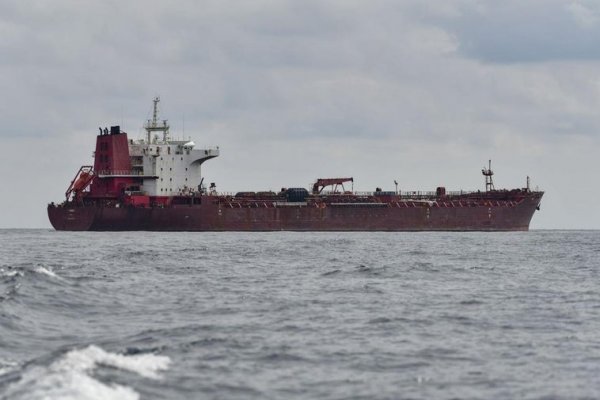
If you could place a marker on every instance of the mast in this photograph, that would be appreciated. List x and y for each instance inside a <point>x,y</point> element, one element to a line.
<point>153,124</point>
<point>489,183</point>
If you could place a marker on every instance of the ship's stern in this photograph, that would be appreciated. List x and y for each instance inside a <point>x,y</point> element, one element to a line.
<point>71,218</point>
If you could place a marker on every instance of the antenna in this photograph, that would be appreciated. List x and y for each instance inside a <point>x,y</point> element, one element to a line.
<point>153,126</point>
<point>489,183</point>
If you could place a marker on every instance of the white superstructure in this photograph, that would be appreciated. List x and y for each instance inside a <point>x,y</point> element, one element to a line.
<point>167,167</point>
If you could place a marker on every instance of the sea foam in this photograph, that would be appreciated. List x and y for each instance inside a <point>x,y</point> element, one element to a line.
<point>9,273</point>
<point>45,271</point>
<point>70,377</point>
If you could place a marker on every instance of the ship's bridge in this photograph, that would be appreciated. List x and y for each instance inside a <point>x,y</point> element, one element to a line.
<point>168,167</point>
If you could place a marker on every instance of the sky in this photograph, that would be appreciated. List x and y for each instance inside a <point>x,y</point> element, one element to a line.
<point>422,92</point>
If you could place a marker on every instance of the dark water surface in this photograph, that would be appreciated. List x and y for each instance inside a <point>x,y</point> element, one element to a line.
<point>299,315</point>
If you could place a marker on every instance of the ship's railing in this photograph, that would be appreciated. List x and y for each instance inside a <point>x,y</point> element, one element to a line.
<point>119,172</point>
<point>404,194</point>
<point>411,194</point>
<point>417,194</point>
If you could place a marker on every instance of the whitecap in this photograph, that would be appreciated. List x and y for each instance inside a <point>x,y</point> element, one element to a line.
<point>45,271</point>
<point>71,377</point>
<point>7,366</point>
<point>10,272</point>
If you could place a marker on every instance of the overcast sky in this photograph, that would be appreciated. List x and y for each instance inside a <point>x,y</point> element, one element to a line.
<point>424,92</point>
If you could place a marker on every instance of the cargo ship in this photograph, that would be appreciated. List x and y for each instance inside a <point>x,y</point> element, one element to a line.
<point>156,184</point>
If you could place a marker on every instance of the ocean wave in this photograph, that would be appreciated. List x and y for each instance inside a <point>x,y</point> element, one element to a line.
<point>71,376</point>
<point>10,272</point>
<point>45,271</point>
<point>21,270</point>
<point>9,282</point>
<point>332,272</point>
<point>7,366</point>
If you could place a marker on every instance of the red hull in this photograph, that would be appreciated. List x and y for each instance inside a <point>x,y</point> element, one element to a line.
<point>215,216</point>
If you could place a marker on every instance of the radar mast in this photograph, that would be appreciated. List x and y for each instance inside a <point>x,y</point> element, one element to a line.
<point>489,183</point>
<point>153,124</point>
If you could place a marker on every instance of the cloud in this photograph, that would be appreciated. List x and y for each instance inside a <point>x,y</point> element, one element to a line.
<point>515,31</point>
<point>586,14</point>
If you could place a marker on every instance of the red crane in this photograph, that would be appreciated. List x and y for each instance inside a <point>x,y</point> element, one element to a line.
<point>321,184</point>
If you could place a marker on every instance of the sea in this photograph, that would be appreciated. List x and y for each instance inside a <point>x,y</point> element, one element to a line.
<point>289,315</point>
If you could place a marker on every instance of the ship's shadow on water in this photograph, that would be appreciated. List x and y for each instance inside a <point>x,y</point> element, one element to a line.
<point>298,315</point>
